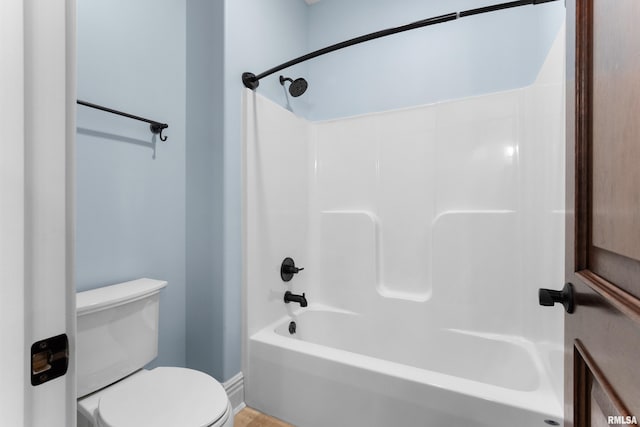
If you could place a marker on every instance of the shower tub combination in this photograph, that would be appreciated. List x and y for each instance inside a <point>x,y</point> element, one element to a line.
<point>424,234</point>
<point>335,371</point>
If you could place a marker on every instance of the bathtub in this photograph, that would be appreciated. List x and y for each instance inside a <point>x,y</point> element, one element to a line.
<point>334,371</point>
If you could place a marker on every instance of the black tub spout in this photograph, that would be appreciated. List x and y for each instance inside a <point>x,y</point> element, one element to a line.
<point>300,299</point>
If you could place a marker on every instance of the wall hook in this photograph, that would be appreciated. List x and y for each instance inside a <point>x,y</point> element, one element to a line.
<point>158,128</point>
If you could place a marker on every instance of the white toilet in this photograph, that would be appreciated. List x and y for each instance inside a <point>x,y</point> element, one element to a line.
<point>117,336</point>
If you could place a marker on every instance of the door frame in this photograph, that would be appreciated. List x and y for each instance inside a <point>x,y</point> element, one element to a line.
<point>37,287</point>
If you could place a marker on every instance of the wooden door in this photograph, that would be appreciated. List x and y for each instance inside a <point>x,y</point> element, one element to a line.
<point>602,336</point>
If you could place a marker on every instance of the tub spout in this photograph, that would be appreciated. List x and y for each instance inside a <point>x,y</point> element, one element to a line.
<point>300,299</point>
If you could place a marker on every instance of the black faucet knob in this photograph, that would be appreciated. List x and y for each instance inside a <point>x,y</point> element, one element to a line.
<point>291,270</point>
<point>288,269</point>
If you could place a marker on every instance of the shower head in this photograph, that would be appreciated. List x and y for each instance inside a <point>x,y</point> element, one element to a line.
<point>297,86</point>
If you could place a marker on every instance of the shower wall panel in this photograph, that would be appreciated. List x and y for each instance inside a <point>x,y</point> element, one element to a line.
<point>542,195</point>
<point>428,204</point>
<point>275,207</point>
<point>411,173</point>
<point>425,205</point>
<point>448,214</point>
<point>378,169</point>
<point>345,273</point>
<point>477,153</point>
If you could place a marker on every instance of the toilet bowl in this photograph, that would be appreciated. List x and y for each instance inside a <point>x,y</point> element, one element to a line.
<point>117,336</point>
<point>159,397</point>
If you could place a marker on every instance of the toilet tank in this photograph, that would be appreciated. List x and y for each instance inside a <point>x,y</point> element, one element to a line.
<point>117,332</point>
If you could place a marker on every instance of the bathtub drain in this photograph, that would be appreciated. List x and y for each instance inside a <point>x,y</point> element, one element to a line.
<point>292,327</point>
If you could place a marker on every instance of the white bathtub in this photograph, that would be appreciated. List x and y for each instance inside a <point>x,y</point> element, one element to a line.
<point>334,371</point>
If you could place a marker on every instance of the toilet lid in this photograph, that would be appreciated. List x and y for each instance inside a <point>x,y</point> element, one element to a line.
<point>165,397</point>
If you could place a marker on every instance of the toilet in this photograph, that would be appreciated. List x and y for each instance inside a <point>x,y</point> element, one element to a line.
<point>117,336</point>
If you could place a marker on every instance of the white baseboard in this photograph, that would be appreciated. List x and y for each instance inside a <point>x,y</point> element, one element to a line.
<point>234,387</point>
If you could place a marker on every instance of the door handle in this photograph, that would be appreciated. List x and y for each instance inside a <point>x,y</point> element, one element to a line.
<point>548,297</point>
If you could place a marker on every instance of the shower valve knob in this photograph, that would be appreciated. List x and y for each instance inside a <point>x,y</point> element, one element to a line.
<point>548,297</point>
<point>288,269</point>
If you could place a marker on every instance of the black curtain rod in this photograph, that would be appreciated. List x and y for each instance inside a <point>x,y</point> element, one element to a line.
<point>252,81</point>
<point>154,126</point>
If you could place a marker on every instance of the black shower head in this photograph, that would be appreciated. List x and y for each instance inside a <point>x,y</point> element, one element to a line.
<point>297,86</point>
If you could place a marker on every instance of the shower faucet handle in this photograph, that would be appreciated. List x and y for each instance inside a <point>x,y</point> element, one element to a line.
<point>292,270</point>
<point>288,269</point>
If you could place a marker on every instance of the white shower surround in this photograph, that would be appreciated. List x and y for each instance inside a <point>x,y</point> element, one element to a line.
<point>422,228</point>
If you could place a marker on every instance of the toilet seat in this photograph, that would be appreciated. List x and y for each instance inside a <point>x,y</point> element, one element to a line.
<point>165,397</point>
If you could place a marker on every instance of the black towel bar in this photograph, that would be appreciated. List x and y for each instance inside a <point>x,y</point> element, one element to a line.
<point>154,126</point>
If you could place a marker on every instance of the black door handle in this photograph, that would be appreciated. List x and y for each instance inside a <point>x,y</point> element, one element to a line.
<point>548,297</point>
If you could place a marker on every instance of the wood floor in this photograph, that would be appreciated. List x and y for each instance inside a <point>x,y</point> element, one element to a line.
<point>251,418</point>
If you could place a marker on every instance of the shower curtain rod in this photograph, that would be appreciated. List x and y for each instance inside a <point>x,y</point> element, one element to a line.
<point>155,127</point>
<point>252,81</point>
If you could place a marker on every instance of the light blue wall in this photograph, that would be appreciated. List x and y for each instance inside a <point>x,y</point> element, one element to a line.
<point>259,35</point>
<point>205,168</point>
<point>131,186</point>
<point>466,57</point>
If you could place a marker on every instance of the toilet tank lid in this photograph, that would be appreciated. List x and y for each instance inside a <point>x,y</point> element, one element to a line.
<point>113,295</point>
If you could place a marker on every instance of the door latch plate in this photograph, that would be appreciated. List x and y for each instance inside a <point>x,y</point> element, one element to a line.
<point>49,359</point>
